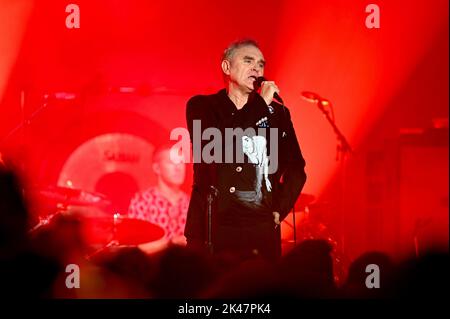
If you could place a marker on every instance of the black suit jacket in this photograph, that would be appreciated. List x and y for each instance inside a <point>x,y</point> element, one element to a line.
<point>238,202</point>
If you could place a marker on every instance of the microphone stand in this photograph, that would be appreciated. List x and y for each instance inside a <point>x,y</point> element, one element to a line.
<point>295,225</point>
<point>24,123</point>
<point>213,192</point>
<point>343,148</point>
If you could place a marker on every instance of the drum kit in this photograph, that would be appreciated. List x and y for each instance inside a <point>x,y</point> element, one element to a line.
<point>301,221</point>
<point>103,232</point>
<point>99,228</point>
<point>100,223</point>
<point>102,228</point>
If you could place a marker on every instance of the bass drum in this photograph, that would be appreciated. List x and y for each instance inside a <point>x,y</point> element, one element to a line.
<point>114,164</point>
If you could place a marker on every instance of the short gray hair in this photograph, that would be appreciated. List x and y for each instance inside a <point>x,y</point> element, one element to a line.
<point>229,51</point>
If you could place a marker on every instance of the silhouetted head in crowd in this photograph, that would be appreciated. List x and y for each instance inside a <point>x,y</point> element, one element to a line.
<point>24,272</point>
<point>368,272</point>
<point>61,239</point>
<point>13,214</point>
<point>252,278</point>
<point>131,264</point>
<point>182,273</point>
<point>307,270</point>
<point>424,277</point>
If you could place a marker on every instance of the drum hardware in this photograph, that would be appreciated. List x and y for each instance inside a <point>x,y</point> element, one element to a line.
<point>119,231</point>
<point>300,205</point>
<point>65,196</point>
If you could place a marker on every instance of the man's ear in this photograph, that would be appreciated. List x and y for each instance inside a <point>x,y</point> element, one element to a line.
<point>226,67</point>
<point>156,168</point>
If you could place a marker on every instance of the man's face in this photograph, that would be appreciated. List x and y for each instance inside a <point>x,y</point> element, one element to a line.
<point>247,144</point>
<point>244,67</point>
<point>172,173</point>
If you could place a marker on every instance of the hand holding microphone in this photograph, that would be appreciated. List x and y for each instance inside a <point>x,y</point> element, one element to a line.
<point>269,90</point>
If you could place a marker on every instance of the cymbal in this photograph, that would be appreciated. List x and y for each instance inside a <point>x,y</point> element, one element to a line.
<point>70,196</point>
<point>120,230</point>
<point>303,201</point>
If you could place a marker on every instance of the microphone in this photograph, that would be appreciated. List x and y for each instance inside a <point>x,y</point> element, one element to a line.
<point>258,83</point>
<point>314,98</point>
<point>311,97</point>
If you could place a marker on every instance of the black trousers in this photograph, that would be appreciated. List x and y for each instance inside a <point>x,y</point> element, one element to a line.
<point>261,239</point>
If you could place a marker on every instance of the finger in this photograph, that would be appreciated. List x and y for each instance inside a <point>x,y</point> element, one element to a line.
<point>273,86</point>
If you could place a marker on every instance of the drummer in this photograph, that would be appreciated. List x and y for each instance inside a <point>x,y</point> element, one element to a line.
<point>164,204</point>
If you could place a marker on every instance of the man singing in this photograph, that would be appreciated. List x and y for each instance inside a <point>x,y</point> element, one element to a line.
<point>251,198</point>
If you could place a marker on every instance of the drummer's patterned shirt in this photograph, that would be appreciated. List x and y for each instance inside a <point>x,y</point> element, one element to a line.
<point>150,205</point>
